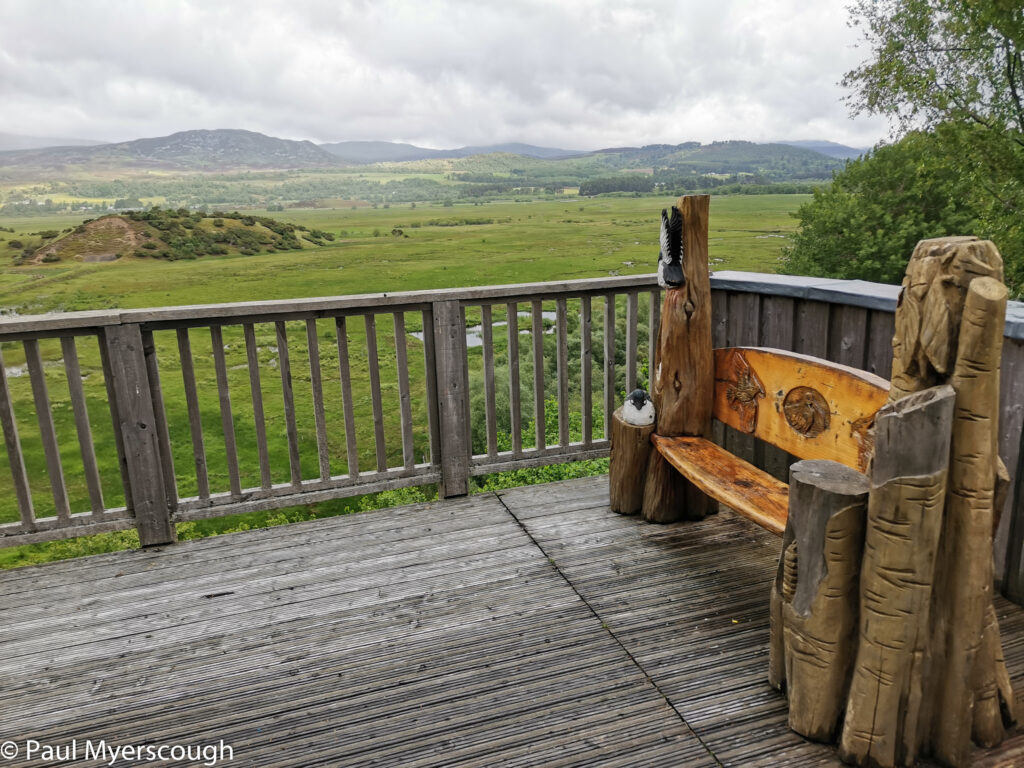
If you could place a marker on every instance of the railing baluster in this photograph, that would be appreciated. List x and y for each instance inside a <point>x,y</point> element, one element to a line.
<point>404,399</point>
<point>163,431</point>
<point>82,427</point>
<point>316,384</point>
<point>449,331</point>
<point>562,340</point>
<point>378,408</point>
<point>631,314</point>
<point>653,324</point>
<point>14,455</point>
<point>115,420</point>
<point>341,333</point>
<point>586,372</point>
<point>226,418</point>
<point>430,369</point>
<point>512,310</point>
<point>609,363</point>
<point>195,423</point>
<point>258,417</point>
<point>489,406</point>
<point>538,375</point>
<point>284,362</point>
<point>47,431</point>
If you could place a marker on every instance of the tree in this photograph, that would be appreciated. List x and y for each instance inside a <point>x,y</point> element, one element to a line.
<point>949,76</point>
<point>867,222</point>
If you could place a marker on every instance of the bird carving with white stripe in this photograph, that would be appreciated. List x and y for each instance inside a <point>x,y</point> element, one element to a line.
<point>670,259</point>
<point>638,409</point>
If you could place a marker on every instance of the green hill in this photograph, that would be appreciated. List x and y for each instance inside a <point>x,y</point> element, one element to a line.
<point>171,235</point>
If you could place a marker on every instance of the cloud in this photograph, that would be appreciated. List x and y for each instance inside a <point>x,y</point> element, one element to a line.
<point>582,74</point>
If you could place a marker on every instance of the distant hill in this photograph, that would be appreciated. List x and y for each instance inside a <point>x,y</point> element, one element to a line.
<point>216,150</point>
<point>367,152</point>
<point>13,141</point>
<point>171,235</point>
<point>829,148</point>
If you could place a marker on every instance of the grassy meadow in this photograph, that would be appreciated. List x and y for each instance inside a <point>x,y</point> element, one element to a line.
<point>376,249</point>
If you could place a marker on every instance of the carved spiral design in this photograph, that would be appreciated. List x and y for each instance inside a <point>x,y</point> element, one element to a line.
<point>790,567</point>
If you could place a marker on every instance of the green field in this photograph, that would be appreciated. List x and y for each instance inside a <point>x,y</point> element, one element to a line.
<point>438,247</point>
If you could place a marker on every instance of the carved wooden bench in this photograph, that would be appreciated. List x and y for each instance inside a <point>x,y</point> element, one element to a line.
<point>808,407</point>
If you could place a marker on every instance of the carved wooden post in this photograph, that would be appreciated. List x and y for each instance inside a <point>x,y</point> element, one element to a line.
<point>814,598</point>
<point>133,404</point>
<point>908,485</point>
<point>631,448</point>
<point>684,371</point>
<point>930,671</point>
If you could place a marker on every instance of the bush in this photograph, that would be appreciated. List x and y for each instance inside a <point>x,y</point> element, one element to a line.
<point>15,244</point>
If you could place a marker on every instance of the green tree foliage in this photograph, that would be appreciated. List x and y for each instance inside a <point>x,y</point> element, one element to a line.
<point>952,71</point>
<point>866,223</point>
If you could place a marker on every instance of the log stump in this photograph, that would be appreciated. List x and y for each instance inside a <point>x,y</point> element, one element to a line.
<point>815,594</point>
<point>627,470</point>
<point>683,364</point>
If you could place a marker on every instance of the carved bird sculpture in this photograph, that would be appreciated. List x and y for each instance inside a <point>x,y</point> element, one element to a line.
<point>638,409</point>
<point>670,260</point>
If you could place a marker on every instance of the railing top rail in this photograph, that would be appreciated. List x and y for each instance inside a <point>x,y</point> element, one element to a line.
<point>236,312</point>
<point>858,293</point>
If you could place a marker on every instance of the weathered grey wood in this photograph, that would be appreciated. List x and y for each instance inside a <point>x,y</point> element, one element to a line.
<point>653,321</point>
<point>514,399</point>
<point>404,398</point>
<point>1013,584</point>
<point>467,423</point>
<point>881,327</point>
<point>159,412</point>
<point>345,376</point>
<point>627,468</point>
<point>115,422</point>
<point>15,458</point>
<point>195,422</point>
<point>814,600</point>
<point>608,329</point>
<point>538,375</point>
<point>632,300</point>
<point>453,399</point>
<point>1011,431</point>
<point>256,391</point>
<point>430,368</point>
<point>490,415</point>
<point>138,426</point>
<point>562,342</point>
<point>370,323</point>
<point>288,397</point>
<point>812,331</point>
<point>227,421</point>
<point>82,426</point>
<point>47,431</point>
<point>719,339</point>
<point>848,328</point>
<point>777,329</point>
<point>317,387</point>
<point>586,371</point>
<point>506,462</point>
<point>744,328</point>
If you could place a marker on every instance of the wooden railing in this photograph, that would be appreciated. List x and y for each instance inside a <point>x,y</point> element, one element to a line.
<point>219,409</point>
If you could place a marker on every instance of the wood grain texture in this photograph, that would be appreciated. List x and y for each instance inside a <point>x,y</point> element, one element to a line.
<point>631,448</point>
<point>683,392</point>
<point>453,399</point>
<point>762,392</point>
<point>141,441</point>
<point>816,593</point>
<point>751,492</point>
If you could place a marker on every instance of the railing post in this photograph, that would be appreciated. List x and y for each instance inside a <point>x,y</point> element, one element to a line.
<point>452,398</point>
<point>133,404</point>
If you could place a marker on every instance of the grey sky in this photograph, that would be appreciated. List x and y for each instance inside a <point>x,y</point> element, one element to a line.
<point>577,74</point>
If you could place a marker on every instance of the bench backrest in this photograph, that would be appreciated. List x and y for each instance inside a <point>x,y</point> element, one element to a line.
<point>809,407</point>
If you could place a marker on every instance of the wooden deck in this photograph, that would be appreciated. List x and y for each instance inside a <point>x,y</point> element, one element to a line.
<point>528,628</point>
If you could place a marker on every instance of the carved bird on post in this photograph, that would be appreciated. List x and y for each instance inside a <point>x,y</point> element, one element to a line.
<point>670,259</point>
<point>638,409</point>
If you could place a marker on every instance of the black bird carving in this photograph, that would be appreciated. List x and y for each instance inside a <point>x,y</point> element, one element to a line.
<point>670,260</point>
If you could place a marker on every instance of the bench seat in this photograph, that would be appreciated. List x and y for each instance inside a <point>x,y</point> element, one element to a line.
<point>750,491</point>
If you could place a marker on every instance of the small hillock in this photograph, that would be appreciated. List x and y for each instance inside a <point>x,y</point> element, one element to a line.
<point>175,234</point>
